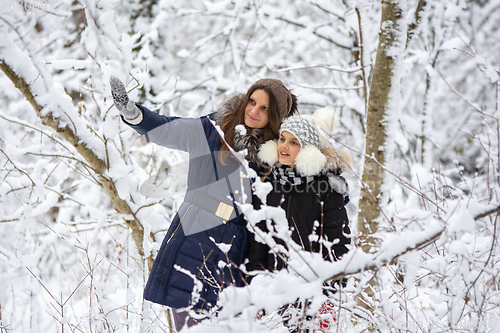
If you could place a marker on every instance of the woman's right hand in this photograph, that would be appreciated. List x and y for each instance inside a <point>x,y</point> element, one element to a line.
<point>127,107</point>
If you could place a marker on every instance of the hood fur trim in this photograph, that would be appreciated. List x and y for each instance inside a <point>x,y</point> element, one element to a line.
<point>228,106</point>
<point>253,137</point>
<point>337,159</point>
<point>268,152</point>
<point>310,161</point>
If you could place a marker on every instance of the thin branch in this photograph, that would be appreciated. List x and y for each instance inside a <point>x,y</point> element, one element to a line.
<point>65,196</point>
<point>11,220</point>
<point>88,176</point>
<point>400,180</point>
<point>49,120</point>
<point>375,263</point>
<point>331,68</point>
<point>362,60</point>
<point>40,8</point>
<point>51,136</point>
<point>314,32</point>
<point>488,213</point>
<point>412,28</point>
<point>21,171</point>
<point>58,156</point>
<point>475,107</point>
<point>44,287</point>
<point>330,88</point>
<point>328,11</point>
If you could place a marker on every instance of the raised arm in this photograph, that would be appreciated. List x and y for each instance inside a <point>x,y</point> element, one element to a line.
<point>187,134</point>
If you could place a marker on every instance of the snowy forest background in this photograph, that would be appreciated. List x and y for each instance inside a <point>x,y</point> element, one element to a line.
<point>77,236</point>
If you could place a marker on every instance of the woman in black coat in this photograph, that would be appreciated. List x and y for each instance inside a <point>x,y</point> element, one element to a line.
<point>305,175</point>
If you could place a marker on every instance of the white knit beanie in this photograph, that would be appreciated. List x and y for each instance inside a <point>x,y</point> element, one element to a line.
<point>304,130</point>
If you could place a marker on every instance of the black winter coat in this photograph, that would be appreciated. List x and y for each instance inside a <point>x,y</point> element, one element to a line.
<point>306,216</point>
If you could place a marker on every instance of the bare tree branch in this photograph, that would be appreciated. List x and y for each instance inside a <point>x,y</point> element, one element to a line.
<point>347,47</point>
<point>362,59</point>
<point>412,28</point>
<point>331,68</point>
<point>488,213</point>
<point>376,263</point>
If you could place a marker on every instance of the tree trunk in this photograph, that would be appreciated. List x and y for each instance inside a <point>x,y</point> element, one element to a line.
<point>373,172</point>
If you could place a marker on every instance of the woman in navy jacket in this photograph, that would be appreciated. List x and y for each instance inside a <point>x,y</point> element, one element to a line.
<point>207,240</point>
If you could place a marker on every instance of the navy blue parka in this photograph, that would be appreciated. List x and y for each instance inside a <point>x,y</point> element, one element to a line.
<point>208,217</point>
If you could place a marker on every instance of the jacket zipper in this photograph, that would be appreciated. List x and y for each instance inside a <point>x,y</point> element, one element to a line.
<point>179,224</point>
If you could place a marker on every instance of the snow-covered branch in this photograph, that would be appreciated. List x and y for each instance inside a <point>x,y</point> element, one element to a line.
<point>75,139</point>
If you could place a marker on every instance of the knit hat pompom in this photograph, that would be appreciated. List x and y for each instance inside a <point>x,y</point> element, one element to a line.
<point>325,121</point>
<point>268,152</point>
<point>310,160</point>
<point>327,116</point>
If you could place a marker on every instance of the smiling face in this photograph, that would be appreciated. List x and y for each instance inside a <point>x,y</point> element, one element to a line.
<point>256,111</point>
<point>288,148</point>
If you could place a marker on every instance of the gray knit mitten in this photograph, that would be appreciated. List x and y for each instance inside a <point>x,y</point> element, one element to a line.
<point>127,108</point>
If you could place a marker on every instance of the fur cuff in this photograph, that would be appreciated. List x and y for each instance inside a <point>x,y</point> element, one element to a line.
<point>310,161</point>
<point>268,153</point>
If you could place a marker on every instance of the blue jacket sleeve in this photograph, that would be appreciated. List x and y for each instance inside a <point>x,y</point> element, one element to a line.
<point>186,134</point>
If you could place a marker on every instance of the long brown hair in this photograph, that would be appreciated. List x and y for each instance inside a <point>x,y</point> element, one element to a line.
<point>237,117</point>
